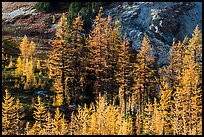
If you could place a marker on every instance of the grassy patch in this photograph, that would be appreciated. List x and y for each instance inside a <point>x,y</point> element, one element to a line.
<point>10,45</point>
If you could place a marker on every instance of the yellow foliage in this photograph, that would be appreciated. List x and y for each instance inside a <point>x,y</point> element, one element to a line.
<point>63,27</point>
<point>11,64</point>
<point>103,120</point>
<point>39,112</point>
<point>19,67</point>
<point>53,19</point>
<point>8,114</point>
<point>59,123</point>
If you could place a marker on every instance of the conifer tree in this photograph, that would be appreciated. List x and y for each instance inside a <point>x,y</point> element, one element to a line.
<point>113,54</point>
<point>147,124</point>
<point>105,50</point>
<point>8,114</point>
<point>74,59</point>
<point>196,44</point>
<point>143,76</point>
<point>60,57</point>
<point>36,129</point>
<point>39,113</point>
<point>195,68</point>
<point>19,115</point>
<point>191,89</point>
<point>30,76</point>
<point>27,49</point>
<point>97,60</point>
<point>24,46</point>
<point>48,126</point>
<point>26,63</point>
<point>123,73</point>
<point>126,126</point>
<point>59,122</point>
<point>157,125</point>
<point>173,75</point>
<point>19,67</point>
<point>166,104</point>
<point>79,122</point>
<point>31,50</point>
<point>11,64</point>
<point>102,119</point>
<point>64,126</point>
<point>27,129</point>
<point>77,41</point>
<point>175,66</point>
<point>58,98</point>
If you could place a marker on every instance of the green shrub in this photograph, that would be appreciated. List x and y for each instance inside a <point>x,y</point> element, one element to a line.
<point>74,8</point>
<point>44,7</point>
<point>88,11</point>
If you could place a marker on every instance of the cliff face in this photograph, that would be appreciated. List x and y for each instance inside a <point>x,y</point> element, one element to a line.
<point>161,21</point>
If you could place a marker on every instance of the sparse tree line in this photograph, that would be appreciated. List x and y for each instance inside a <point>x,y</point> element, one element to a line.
<point>118,91</point>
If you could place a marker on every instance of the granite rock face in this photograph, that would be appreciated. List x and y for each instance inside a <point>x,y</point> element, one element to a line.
<point>163,22</point>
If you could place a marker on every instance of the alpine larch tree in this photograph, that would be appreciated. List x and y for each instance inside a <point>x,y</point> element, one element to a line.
<point>101,86</point>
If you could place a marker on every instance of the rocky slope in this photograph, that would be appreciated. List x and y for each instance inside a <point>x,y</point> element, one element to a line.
<point>161,21</point>
<point>11,6</point>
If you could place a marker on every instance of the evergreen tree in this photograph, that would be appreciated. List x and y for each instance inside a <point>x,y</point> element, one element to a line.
<point>97,60</point>
<point>11,64</point>
<point>39,113</point>
<point>19,67</point>
<point>30,76</point>
<point>36,129</point>
<point>157,125</point>
<point>147,124</point>
<point>19,115</point>
<point>27,64</point>
<point>114,48</point>
<point>59,123</point>
<point>166,105</point>
<point>27,129</point>
<point>60,59</point>
<point>48,126</point>
<point>78,41</point>
<point>8,114</point>
<point>58,98</point>
<point>143,76</point>
<point>191,88</point>
<point>123,73</point>
<point>24,46</point>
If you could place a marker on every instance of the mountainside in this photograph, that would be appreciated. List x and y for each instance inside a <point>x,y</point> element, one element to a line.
<point>102,68</point>
<point>161,21</point>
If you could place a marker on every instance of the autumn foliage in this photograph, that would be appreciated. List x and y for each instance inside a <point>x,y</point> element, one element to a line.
<point>113,91</point>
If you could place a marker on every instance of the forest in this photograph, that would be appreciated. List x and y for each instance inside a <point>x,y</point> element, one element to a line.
<point>97,84</point>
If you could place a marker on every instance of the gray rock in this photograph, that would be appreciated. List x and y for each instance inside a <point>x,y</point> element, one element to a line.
<point>8,21</point>
<point>41,92</point>
<point>160,20</point>
<point>132,34</point>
